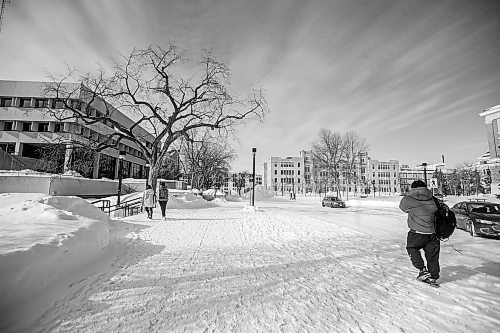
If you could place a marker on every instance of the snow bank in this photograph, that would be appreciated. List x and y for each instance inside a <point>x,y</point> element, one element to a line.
<point>43,238</point>
<point>189,201</point>
<point>261,193</point>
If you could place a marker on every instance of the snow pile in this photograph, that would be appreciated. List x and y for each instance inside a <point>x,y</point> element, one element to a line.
<point>261,193</point>
<point>72,173</point>
<point>233,198</point>
<point>251,209</point>
<point>43,237</point>
<point>189,201</point>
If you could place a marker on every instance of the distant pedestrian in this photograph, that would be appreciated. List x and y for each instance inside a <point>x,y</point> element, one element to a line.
<point>163,199</point>
<point>291,195</point>
<point>149,201</point>
<point>421,210</point>
<point>294,197</point>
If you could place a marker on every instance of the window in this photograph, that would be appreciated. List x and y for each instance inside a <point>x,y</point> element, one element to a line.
<point>58,104</point>
<point>76,104</point>
<point>25,102</point>
<point>275,172</point>
<point>9,147</point>
<point>43,127</point>
<point>299,164</point>
<point>41,103</point>
<point>8,126</point>
<point>6,101</point>
<point>26,127</point>
<point>59,127</point>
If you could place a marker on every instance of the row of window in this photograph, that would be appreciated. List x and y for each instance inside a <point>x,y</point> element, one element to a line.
<point>384,174</point>
<point>287,180</point>
<point>287,172</point>
<point>384,167</point>
<point>30,102</point>
<point>28,126</point>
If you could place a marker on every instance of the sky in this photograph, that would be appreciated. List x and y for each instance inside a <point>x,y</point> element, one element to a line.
<point>411,77</point>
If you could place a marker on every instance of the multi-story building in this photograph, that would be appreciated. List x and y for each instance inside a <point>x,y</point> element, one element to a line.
<point>491,162</point>
<point>239,182</point>
<point>408,175</point>
<point>287,174</point>
<point>383,176</point>
<point>26,127</point>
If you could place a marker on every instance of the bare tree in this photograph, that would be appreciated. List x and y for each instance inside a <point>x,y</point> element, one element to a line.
<point>355,145</point>
<point>152,88</point>
<point>328,151</point>
<point>208,161</point>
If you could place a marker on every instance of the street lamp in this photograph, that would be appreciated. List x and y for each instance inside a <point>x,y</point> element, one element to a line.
<point>254,151</point>
<point>147,173</point>
<point>121,157</point>
<point>425,172</point>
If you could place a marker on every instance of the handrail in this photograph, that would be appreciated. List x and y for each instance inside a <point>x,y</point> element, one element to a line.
<point>129,207</point>
<point>106,204</point>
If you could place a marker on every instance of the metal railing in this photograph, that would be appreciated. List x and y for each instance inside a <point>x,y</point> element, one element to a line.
<point>105,205</point>
<point>128,207</point>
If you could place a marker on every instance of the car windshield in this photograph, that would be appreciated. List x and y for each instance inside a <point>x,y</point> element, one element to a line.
<point>484,209</point>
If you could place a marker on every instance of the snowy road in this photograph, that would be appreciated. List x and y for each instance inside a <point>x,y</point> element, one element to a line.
<point>276,270</point>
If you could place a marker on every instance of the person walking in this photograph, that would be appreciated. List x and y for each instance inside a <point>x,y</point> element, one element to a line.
<point>421,210</point>
<point>163,198</point>
<point>149,201</point>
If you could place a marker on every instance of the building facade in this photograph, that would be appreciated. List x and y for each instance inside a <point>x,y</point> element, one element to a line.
<point>27,129</point>
<point>490,162</point>
<point>286,175</point>
<point>383,176</point>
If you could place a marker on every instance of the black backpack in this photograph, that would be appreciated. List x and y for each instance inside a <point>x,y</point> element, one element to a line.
<point>445,220</point>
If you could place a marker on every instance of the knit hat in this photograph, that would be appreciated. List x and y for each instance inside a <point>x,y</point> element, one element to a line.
<point>418,183</point>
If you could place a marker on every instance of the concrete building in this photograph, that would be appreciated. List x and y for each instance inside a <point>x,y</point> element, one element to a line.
<point>286,174</point>
<point>26,127</point>
<point>408,174</point>
<point>490,162</point>
<point>383,176</point>
<point>239,183</point>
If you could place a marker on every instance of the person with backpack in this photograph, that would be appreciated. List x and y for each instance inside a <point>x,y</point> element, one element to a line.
<point>149,201</point>
<point>421,208</point>
<point>163,198</point>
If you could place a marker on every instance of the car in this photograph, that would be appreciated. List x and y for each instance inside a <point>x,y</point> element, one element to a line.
<point>332,202</point>
<point>478,217</point>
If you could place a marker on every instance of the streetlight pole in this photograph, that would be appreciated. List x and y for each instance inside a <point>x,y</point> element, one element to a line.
<point>121,157</point>
<point>147,174</point>
<point>254,151</point>
<point>425,172</point>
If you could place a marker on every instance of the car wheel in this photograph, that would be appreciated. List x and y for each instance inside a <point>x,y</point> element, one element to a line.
<point>472,231</point>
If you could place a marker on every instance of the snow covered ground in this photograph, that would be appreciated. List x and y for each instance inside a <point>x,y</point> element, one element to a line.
<point>289,266</point>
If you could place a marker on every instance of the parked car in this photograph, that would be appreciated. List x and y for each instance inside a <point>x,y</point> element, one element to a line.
<point>332,202</point>
<point>478,217</point>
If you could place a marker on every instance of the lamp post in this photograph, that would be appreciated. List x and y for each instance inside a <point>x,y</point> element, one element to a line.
<point>425,172</point>
<point>254,151</point>
<point>147,173</point>
<point>121,157</point>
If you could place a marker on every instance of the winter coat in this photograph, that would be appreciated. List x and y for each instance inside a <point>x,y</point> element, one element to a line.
<point>163,194</point>
<point>149,198</point>
<point>421,210</point>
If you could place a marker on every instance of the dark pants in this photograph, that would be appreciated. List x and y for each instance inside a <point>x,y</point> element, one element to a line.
<point>149,210</point>
<point>163,206</point>
<point>430,244</point>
